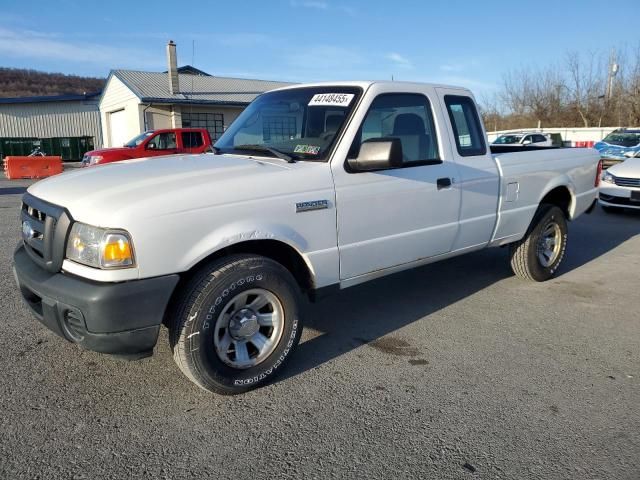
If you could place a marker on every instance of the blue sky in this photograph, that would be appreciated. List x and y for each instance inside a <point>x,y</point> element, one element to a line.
<point>469,43</point>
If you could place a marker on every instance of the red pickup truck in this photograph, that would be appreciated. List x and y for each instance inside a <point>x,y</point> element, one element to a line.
<point>153,143</point>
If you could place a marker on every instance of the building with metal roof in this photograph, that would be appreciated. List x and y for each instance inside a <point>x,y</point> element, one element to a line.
<point>58,124</point>
<point>133,101</point>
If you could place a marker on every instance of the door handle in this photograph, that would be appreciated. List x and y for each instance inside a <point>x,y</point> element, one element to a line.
<point>444,182</point>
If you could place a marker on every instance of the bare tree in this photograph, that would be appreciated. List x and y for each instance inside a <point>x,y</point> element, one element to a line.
<point>572,93</point>
<point>586,83</point>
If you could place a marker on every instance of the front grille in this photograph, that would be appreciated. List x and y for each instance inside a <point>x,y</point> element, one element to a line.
<point>627,182</point>
<point>35,223</point>
<point>44,231</point>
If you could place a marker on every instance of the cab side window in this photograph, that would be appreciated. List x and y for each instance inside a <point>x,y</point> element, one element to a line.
<point>404,116</point>
<point>192,139</point>
<point>467,131</point>
<point>163,141</point>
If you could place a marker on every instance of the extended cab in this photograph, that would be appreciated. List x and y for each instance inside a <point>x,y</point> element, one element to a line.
<point>153,143</point>
<point>313,188</point>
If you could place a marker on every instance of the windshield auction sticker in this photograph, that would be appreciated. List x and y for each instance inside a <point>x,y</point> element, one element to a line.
<point>310,149</point>
<point>331,100</point>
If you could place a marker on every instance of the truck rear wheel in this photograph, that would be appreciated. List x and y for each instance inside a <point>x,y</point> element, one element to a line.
<point>236,323</point>
<point>539,254</point>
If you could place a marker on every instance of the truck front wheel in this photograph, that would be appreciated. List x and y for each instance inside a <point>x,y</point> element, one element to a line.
<point>539,254</point>
<point>236,323</point>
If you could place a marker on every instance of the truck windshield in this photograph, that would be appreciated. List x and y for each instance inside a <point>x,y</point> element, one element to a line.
<point>623,139</point>
<point>300,123</point>
<point>134,142</point>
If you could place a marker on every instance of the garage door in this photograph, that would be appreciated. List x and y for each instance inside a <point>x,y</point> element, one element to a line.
<point>118,128</point>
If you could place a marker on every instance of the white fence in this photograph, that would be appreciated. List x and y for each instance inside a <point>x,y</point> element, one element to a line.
<point>579,137</point>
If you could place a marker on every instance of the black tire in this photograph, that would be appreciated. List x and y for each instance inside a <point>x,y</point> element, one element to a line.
<point>525,259</point>
<point>608,209</point>
<point>203,300</point>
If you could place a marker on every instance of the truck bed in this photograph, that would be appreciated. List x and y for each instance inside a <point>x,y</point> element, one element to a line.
<point>527,172</point>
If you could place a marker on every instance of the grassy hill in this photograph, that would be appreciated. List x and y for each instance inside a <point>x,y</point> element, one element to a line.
<point>15,82</point>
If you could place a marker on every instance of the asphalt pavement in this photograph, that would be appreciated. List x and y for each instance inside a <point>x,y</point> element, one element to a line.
<point>454,370</point>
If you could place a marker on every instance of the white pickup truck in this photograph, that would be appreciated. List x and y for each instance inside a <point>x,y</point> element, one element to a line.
<point>313,188</point>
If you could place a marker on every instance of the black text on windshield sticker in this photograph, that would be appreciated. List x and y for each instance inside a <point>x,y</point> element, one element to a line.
<point>331,100</point>
<point>310,149</point>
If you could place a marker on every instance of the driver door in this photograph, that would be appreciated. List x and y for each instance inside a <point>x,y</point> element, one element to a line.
<point>161,144</point>
<point>398,216</point>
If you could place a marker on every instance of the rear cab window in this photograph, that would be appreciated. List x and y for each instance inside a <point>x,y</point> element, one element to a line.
<point>192,139</point>
<point>467,130</point>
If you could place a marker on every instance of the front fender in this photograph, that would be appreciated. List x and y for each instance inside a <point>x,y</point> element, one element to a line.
<point>235,233</point>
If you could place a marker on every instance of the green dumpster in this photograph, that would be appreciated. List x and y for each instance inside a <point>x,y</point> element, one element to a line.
<point>71,149</point>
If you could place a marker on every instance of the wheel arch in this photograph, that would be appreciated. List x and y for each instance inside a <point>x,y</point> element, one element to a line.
<point>561,196</point>
<point>283,253</point>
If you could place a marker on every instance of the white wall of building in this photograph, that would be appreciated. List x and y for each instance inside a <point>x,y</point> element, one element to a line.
<point>157,116</point>
<point>51,119</point>
<point>118,98</point>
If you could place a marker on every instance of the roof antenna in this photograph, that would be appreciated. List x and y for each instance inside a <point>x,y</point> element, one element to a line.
<point>392,77</point>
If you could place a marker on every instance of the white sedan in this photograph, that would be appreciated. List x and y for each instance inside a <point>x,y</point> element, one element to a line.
<point>524,138</point>
<point>620,187</point>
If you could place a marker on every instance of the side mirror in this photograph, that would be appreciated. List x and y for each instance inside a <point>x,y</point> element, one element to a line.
<point>151,146</point>
<point>526,142</point>
<point>377,154</point>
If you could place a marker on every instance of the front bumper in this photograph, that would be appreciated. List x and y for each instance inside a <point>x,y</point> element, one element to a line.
<point>621,202</point>
<point>117,318</point>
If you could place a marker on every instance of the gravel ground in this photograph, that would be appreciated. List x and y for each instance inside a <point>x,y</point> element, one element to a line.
<point>454,370</point>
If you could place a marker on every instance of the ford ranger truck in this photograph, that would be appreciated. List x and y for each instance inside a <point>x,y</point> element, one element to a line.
<point>153,143</point>
<point>313,188</point>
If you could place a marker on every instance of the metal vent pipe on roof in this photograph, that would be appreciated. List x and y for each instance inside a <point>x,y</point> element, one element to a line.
<point>172,71</point>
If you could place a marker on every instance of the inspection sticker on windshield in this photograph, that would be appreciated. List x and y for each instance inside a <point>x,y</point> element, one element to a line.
<point>310,149</point>
<point>331,100</point>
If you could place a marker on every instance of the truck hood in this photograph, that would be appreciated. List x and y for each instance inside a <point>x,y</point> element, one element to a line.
<point>109,194</point>
<point>630,168</point>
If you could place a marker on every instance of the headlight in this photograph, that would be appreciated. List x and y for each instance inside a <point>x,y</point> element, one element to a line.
<point>608,178</point>
<point>100,247</point>
<point>95,159</point>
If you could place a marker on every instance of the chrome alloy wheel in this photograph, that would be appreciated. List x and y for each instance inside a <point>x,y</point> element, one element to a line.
<point>549,244</point>
<point>249,328</point>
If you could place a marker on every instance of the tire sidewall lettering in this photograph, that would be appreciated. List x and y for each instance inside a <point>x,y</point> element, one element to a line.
<point>272,369</point>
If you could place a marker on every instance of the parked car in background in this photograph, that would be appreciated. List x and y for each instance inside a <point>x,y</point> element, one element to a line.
<point>153,143</point>
<point>620,187</point>
<point>614,146</point>
<point>524,138</point>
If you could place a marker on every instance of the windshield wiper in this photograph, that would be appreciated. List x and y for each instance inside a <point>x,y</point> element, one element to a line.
<point>265,148</point>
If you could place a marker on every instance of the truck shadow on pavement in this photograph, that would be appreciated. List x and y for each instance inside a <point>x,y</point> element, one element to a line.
<point>365,313</point>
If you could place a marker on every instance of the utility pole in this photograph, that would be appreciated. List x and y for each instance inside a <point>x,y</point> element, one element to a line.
<point>613,70</point>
